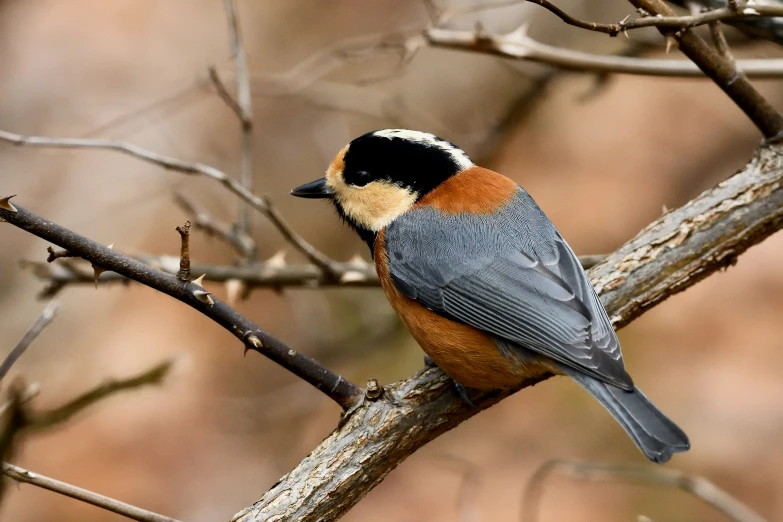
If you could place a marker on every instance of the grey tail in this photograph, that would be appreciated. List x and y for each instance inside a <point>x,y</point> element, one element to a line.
<point>653,432</point>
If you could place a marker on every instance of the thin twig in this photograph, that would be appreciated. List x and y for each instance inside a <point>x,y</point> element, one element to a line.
<point>696,486</point>
<point>43,321</point>
<point>115,506</point>
<point>519,46</point>
<point>266,274</point>
<point>245,109</point>
<point>57,254</point>
<point>253,337</point>
<point>202,220</point>
<point>669,20</point>
<point>260,204</point>
<point>222,91</point>
<point>721,45</point>
<point>38,420</point>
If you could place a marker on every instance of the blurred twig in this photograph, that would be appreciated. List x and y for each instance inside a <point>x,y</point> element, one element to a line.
<point>38,420</point>
<point>519,46</point>
<point>244,245</point>
<point>274,273</point>
<point>43,321</point>
<point>115,506</point>
<point>261,204</point>
<point>245,110</point>
<point>699,487</point>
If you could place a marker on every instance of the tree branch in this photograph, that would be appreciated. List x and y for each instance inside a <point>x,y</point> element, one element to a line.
<point>272,274</point>
<point>43,321</point>
<point>115,506</point>
<point>244,245</point>
<point>519,46</point>
<point>39,420</point>
<point>667,257</point>
<point>253,337</point>
<point>667,20</point>
<point>722,71</point>
<point>262,205</point>
<point>697,486</point>
<point>245,113</point>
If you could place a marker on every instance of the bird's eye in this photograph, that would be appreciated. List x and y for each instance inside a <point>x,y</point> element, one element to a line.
<point>359,178</point>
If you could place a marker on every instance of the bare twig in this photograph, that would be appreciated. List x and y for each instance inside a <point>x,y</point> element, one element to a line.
<point>57,254</point>
<point>203,220</point>
<point>667,20</point>
<point>699,487</point>
<point>244,104</point>
<point>222,91</point>
<point>43,321</point>
<point>115,506</point>
<point>266,274</point>
<point>38,420</point>
<point>261,204</point>
<point>519,46</point>
<point>253,337</point>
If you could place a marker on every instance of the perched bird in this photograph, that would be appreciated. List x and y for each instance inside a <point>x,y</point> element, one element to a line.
<point>481,277</point>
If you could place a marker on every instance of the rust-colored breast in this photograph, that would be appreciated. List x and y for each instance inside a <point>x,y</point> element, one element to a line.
<point>475,191</point>
<point>467,355</point>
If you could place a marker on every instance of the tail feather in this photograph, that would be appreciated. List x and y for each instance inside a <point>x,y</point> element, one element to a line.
<point>657,436</point>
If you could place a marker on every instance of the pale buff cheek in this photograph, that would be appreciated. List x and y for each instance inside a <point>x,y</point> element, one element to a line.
<point>373,206</point>
<point>376,205</point>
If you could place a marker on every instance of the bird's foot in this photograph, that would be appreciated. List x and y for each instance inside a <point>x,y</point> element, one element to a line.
<point>429,363</point>
<point>463,392</point>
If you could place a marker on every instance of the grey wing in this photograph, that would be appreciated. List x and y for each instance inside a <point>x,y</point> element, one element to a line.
<point>510,274</point>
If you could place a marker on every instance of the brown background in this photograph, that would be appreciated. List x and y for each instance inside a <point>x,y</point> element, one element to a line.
<point>224,428</point>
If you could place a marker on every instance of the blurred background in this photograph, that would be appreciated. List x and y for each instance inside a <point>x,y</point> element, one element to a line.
<point>602,157</point>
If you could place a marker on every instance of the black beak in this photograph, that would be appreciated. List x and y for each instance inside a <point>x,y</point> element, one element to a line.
<point>314,190</point>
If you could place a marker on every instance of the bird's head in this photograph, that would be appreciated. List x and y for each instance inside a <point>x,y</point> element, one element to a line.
<point>382,174</point>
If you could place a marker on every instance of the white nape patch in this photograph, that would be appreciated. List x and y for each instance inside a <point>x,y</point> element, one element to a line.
<point>425,138</point>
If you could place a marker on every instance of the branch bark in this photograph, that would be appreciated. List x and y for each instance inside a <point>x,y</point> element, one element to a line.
<point>667,257</point>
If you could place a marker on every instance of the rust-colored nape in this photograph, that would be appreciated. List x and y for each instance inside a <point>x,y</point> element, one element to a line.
<point>474,191</point>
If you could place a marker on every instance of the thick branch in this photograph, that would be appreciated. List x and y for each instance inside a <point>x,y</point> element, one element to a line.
<point>115,506</point>
<point>519,46</point>
<point>667,257</point>
<point>254,338</point>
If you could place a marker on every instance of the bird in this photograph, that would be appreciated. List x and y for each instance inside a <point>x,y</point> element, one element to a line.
<point>481,277</point>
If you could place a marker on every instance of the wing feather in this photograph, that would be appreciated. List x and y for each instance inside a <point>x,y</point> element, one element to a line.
<point>510,274</point>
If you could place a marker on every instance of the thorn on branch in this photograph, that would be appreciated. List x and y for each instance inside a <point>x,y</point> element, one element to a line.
<point>98,270</point>
<point>5,203</point>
